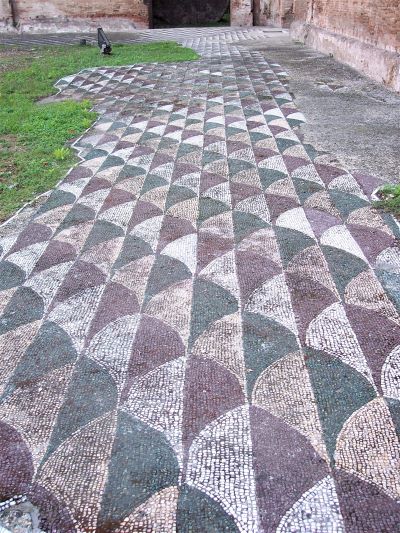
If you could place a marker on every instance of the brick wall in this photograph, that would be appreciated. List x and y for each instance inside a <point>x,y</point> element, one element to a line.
<point>363,33</point>
<point>121,14</point>
<point>42,15</point>
<point>5,13</point>
<point>261,12</point>
<point>275,12</point>
<point>287,12</point>
<point>301,9</point>
<point>241,13</point>
<point>373,21</point>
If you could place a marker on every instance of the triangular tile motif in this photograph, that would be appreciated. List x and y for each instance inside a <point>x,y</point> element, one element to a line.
<point>200,327</point>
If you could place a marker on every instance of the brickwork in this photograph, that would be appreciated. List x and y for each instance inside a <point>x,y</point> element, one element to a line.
<point>241,13</point>
<point>259,12</point>
<point>377,22</point>
<point>5,13</point>
<point>301,9</point>
<point>287,11</point>
<point>362,33</point>
<point>267,12</point>
<point>62,14</point>
<point>128,14</point>
<point>275,11</point>
<point>262,12</point>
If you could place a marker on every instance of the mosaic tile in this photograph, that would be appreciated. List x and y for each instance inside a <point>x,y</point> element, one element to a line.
<point>200,326</point>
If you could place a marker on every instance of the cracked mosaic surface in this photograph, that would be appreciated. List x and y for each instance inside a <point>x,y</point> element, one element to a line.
<point>199,327</point>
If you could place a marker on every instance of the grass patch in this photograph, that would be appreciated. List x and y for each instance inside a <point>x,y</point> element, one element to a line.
<point>390,199</point>
<point>34,152</point>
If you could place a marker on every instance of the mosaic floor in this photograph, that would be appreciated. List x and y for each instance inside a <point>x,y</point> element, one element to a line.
<point>200,328</point>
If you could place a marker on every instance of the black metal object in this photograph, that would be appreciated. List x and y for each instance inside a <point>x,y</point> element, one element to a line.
<point>104,42</point>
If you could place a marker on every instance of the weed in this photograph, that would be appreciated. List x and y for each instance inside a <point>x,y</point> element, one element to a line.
<point>389,199</point>
<point>60,154</point>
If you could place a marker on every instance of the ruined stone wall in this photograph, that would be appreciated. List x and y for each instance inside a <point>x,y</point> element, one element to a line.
<point>363,33</point>
<point>78,15</point>
<point>301,10</point>
<point>265,13</point>
<point>372,21</point>
<point>259,12</point>
<point>5,14</point>
<point>74,15</point>
<point>262,12</point>
<point>275,12</point>
<point>241,13</point>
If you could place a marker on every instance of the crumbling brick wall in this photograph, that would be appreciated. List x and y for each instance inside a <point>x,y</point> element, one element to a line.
<point>281,12</point>
<point>241,12</point>
<point>362,33</point>
<point>5,13</point>
<point>71,13</point>
<point>373,21</point>
<point>376,22</point>
<point>275,12</point>
<point>301,9</point>
<point>261,12</point>
<point>128,14</point>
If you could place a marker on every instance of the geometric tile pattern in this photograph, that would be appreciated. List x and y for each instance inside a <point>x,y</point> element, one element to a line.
<point>200,326</point>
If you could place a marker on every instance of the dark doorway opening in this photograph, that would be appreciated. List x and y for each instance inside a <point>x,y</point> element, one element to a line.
<point>188,13</point>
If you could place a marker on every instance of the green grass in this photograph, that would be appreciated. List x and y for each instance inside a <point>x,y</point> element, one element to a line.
<point>390,199</point>
<point>34,137</point>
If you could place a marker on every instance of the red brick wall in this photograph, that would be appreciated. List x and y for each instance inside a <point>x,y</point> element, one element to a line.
<point>35,14</point>
<point>63,11</point>
<point>376,22</point>
<point>277,12</point>
<point>261,12</point>
<point>241,13</point>
<point>301,9</point>
<point>286,12</point>
<point>362,33</point>
<point>5,12</point>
